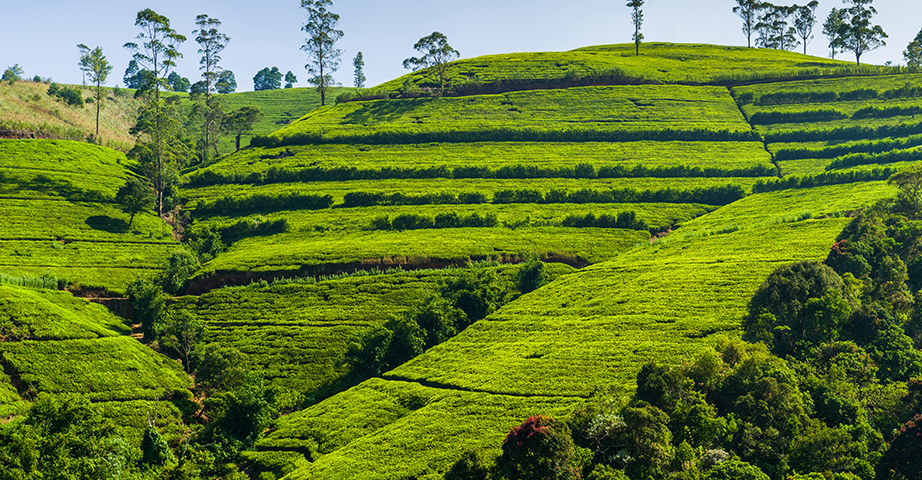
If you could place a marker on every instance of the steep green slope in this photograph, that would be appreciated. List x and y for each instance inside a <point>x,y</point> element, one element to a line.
<point>592,328</point>
<point>52,344</point>
<point>60,215</point>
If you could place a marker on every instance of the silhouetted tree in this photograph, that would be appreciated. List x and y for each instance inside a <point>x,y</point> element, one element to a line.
<point>748,11</point>
<point>804,21</point>
<point>637,20</point>
<point>833,28</point>
<point>290,79</point>
<point>226,82</point>
<point>913,52</point>
<point>240,121</point>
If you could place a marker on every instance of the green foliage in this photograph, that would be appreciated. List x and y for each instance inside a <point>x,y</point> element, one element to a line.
<point>68,95</point>
<point>468,467</point>
<point>797,304</point>
<point>177,271</point>
<point>735,469</point>
<point>134,197</point>
<point>149,304</point>
<point>531,276</point>
<point>267,79</point>
<point>154,450</point>
<point>539,448</point>
<point>437,53</point>
<point>64,437</point>
<point>902,458</point>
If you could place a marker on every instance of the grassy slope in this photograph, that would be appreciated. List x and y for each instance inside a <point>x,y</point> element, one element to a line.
<point>58,344</point>
<point>60,217</point>
<point>27,106</point>
<point>591,328</point>
<point>279,108</point>
<point>317,238</point>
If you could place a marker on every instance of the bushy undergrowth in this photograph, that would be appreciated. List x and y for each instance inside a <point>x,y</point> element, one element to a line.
<point>875,146</point>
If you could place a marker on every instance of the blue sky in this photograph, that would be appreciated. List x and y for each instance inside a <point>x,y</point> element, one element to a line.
<point>41,36</point>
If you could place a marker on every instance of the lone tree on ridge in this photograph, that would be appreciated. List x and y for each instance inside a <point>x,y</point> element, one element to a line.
<point>437,53</point>
<point>637,20</point>
<point>320,45</point>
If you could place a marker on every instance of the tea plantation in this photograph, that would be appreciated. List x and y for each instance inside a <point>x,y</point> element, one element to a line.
<point>658,193</point>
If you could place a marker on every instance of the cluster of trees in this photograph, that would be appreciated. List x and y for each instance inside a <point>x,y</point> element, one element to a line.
<point>780,27</point>
<point>271,79</point>
<point>829,385</point>
<point>785,27</point>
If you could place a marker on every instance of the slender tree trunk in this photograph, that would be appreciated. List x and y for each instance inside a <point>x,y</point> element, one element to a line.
<point>238,141</point>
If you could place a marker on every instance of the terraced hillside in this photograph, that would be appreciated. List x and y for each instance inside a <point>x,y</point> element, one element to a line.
<point>57,199</point>
<point>668,188</point>
<point>547,167</point>
<point>54,344</point>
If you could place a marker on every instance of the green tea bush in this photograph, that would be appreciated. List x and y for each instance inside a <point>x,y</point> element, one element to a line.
<point>893,156</point>
<point>877,146</point>
<point>412,221</point>
<point>806,116</point>
<point>264,202</point>
<point>339,174</point>
<point>627,220</point>
<point>886,112</point>
<point>827,178</point>
<point>844,133</point>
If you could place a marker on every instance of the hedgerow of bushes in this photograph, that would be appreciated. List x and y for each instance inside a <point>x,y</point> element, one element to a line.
<point>806,116</point>
<point>522,134</point>
<point>338,174</point>
<point>783,98</point>
<point>877,146</point>
<point>893,156</point>
<point>264,202</point>
<point>412,221</point>
<point>826,178</point>
<point>844,133</point>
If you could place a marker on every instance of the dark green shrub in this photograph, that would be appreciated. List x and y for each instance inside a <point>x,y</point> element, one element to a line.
<point>532,275</point>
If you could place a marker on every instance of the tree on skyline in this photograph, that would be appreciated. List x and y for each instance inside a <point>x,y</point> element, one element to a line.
<point>227,83</point>
<point>832,28</point>
<point>804,21</point>
<point>437,53</point>
<point>913,52</point>
<point>211,43</point>
<point>157,53</point>
<point>290,79</point>
<point>359,63</point>
<point>95,64</point>
<point>241,121</point>
<point>748,11</point>
<point>267,79</point>
<point>857,34</point>
<point>637,20</point>
<point>773,28</point>
<point>320,45</point>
